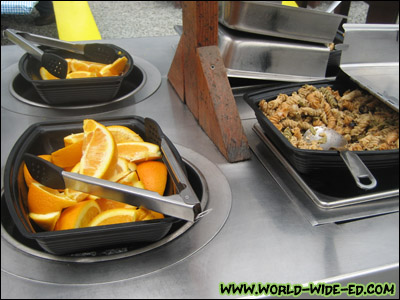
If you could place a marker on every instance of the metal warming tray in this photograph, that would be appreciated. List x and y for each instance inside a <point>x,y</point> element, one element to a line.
<point>46,137</point>
<point>268,58</point>
<point>273,19</point>
<point>370,56</point>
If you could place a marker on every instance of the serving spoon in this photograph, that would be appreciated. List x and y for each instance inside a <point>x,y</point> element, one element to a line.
<point>332,140</point>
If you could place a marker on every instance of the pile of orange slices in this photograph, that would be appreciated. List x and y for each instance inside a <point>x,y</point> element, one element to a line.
<point>85,69</point>
<point>114,153</point>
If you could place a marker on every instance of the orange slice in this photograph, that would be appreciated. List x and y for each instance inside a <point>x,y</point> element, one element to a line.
<point>43,200</point>
<point>124,134</point>
<point>144,214</point>
<point>138,151</point>
<point>68,156</point>
<point>78,216</point>
<point>153,174</point>
<point>79,65</point>
<point>73,138</point>
<point>122,169</point>
<point>46,75</point>
<point>114,69</point>
<point>80,74</point>
<point>96,68</point>
<point>46,221</point>
<point>27,176</point>
<point>100,154</point>
<point>114,216</point>
<point>75,195</point>
<point>106,204</point>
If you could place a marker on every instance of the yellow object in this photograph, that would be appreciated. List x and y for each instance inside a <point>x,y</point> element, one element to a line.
<point>144,214</point>
<point>44,200</point>
<point>78,216</point>
<point>75,21</point>
<point>100,154</point>
<point>114,216</point>
<point>46,221</point>
<point>290,3</point>
<point>153,174</point>
<point>138,151</point>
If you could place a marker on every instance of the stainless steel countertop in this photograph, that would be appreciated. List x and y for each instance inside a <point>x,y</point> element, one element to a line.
<point>264,239</point>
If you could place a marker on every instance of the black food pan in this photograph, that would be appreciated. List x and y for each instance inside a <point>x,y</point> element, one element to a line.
<point>46,137</point>
<point>315,161</point>
<point>74,91</point>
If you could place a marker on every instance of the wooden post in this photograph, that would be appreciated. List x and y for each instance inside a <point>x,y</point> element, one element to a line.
<point>199,77</point>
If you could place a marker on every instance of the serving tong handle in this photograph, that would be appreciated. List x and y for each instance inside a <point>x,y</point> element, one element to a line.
<point>55,43</point>
<point>184,205</point>
<point>97,52</point>
<point>53,63</point>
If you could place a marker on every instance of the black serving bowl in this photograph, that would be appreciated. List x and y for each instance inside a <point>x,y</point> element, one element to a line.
<point>315,161</point>
<point>46,137</point>
<point>74,91</point>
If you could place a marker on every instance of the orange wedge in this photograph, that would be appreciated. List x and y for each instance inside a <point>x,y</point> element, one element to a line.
<point>80,74</point>
<point>75,195</point>
<point>138,151</point>
<point>132,179</point>
<point>78,216</point>
<point>153,174</point>
<point>73,138</point>
<point>122,169</point>
<point>114,69</point>
<point>144,214</point>
<point>79,65</point>
<point>96,68</point>
<point>46,75</point>
<point>27,176</point>
<point>68,156</point>
<point>100,154</point>
<point>114,216</point>
<point>106,204</point>
<point>124,134</point>
<point>46,221</point>
<point>44,200</point>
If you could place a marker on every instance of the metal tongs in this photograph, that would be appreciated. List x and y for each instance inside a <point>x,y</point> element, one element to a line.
<point>183,205</point>
<point>55,64</point>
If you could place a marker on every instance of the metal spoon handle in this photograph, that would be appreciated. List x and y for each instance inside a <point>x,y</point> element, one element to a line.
<point>358,170</point>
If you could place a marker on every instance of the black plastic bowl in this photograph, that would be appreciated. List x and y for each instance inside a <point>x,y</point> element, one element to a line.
<point>44,138</point>
<point>76,91</point>
<point>315,161</point>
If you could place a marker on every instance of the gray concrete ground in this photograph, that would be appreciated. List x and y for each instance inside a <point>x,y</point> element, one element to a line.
<point>128,19</point>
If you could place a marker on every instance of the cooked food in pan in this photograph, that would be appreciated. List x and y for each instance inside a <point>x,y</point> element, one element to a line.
<point>364,121</point>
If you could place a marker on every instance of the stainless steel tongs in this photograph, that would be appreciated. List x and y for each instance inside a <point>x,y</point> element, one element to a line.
<point>183,205</point>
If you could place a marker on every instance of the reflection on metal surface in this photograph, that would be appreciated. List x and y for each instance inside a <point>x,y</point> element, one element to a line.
<point>376,67</point>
